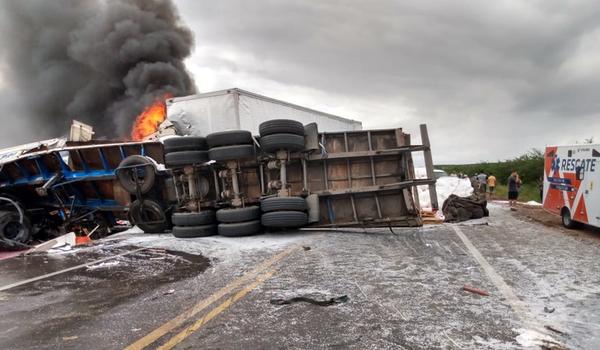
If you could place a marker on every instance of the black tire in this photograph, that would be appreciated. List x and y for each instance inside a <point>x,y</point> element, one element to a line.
<point>240,229</point>
<point>204,217</point>
<point>183,158</point>
<point>195,231</point>
<point>12,230</point>
<point>185,143</point>
<point>276,142</point>
<point>567,221</point>
<point>284,219</point>
<point>229,216</point>
<point>151,211</point>
<point>231,152</point>
<point>281,126</point>
<point>146,173</point>
<point>229,138</point>
<point>283,203</point>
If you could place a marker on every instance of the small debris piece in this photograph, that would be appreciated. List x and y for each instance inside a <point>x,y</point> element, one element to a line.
<point>475,290</point>
<point>554,329</point>
<point>305,247</point>
<point>548,309</point>
<point>70,338</point>
<point>331,301</point>
<point>68,239</point>
<point>170,291</point>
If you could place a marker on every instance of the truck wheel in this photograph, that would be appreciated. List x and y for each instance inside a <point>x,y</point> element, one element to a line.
<point>231,152</point>
<point>204,217</point>
<point>283,203</point>
<point>185,143</point>
<point>240,229</point>
<point>229,216</point>
<point>276,142</point>
<point>151,211</point>
<point>11,229</point>
<point>195,231</point>
<point>567,221</point>
<point>146,173</point>
<point>229,138</point>
<point>177,159</point>
<point>281,126</point>
<point>284,219</point>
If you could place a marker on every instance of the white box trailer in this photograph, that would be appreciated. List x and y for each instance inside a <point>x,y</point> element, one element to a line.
<point>572,183</point>
<point>234,108</point>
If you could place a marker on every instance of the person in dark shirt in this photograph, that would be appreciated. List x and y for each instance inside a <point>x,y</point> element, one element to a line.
<point>513,189</point>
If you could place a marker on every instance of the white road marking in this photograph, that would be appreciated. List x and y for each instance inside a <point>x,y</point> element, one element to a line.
<point>34,279</point>
<point>511,298</point>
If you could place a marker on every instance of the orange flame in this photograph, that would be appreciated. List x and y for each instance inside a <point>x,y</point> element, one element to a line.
<point>149,120</point>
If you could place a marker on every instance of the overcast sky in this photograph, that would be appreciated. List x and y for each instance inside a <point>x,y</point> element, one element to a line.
<point>491,79</point>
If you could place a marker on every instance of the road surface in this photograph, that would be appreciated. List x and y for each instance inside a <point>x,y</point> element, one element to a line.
<point>404,290</point>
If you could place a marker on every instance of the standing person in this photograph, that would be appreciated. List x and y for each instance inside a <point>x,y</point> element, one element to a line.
<point>513,189</point>
<point>491,184</point>
<point>482,178</point>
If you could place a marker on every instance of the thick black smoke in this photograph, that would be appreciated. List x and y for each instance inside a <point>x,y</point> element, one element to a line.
<point>98,61</point>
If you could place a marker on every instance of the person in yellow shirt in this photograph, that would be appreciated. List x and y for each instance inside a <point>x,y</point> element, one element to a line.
<point>491,185</point>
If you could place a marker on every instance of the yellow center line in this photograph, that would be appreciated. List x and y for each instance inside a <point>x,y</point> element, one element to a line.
<point>181,318</point>
<point>216,311</point>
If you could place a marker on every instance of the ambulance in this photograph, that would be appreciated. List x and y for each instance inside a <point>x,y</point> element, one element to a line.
<point>572,184</point>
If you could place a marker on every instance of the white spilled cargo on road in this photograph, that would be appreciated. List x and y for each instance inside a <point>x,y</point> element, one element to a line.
<point>205,113</point>
<point>445,186</point>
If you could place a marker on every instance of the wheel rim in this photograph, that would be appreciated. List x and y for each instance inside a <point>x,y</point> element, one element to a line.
<point>12,230</point>
<point>567,219</point>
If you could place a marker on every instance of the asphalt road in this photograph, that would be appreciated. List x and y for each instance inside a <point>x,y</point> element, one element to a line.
<point>404,289</point>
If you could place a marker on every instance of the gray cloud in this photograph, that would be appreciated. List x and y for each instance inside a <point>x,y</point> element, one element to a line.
<point>491,79</point>
<point>99,61</point>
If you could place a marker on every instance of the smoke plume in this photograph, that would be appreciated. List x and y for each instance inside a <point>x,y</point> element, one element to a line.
<point>98,61</point>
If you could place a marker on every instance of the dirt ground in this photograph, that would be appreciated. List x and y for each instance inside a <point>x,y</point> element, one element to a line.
<point>537,214</point>
<point>404,290</point>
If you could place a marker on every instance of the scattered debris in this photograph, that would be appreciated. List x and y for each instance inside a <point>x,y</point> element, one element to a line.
<point>554,330</point>
<point>170,291</point>
<point>68,239</point>
<point>475,290</point>
<point>445,186</point>
<point>548,309</point>
<point>329,302</point>
<point>306,248</point>
<point>457,209</point>
<point>70,338</point>
<point>103,264</point>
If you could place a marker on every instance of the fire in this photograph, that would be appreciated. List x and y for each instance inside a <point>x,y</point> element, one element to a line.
<point>149,120</point>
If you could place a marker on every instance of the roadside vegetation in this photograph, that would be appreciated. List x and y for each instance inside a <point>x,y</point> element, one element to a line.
<point>530,167</point>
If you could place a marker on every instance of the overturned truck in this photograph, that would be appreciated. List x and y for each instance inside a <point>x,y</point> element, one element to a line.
<point>282,174</point>
<point>289,176</point>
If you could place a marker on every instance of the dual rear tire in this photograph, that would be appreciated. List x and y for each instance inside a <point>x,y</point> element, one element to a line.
<point>185,150</point>
<point>284,212</point>
<point>281,134</point>
<point>239,222</point>
<point>230,145</point>
<point>190,225</point>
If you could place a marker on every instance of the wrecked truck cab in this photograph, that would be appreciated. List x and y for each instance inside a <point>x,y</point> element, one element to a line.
<point>61,186</point>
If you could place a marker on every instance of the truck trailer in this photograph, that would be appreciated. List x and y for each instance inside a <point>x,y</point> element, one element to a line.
<point>202,114</point>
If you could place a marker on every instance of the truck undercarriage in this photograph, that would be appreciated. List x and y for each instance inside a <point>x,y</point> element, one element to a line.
<point>218,184</point>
